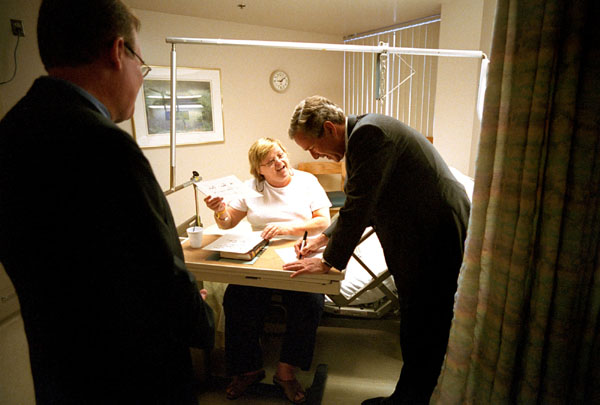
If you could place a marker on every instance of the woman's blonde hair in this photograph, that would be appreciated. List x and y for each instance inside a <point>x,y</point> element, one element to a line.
<point>257,153</point>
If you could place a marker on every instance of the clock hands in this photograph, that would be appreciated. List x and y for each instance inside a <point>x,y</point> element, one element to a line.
<point>279,81</point>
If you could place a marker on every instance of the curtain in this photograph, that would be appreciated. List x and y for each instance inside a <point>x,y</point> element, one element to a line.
<point>526,327</point>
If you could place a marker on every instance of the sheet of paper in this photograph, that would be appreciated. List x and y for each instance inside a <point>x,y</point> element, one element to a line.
<point>235,243</point>
<point>228,187</point>
<point>288,254</point>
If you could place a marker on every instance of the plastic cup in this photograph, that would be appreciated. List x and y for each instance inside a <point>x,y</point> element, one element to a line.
<point>195,236</point>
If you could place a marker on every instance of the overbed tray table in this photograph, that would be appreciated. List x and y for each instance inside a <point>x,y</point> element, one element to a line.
<point>265,271</point>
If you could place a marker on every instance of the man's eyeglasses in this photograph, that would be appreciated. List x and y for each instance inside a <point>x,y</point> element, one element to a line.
<point>279,157</point>
<point>144,68</point>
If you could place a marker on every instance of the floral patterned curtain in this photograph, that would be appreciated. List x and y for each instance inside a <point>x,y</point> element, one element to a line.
<point>526,326</point>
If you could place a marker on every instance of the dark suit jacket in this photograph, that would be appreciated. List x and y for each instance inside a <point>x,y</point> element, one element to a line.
<point>88,240</point>
<point>399,184</point>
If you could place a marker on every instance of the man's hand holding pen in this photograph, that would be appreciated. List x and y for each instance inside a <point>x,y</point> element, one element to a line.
<point>302,244</point>
<point>304,248</point>
<point>308,247</point>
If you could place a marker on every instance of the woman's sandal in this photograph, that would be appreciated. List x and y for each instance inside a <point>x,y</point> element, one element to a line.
<point>240,384</point>
<point>292,390</point>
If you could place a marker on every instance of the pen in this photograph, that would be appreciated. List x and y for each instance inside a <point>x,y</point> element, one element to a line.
<point>303,244</point>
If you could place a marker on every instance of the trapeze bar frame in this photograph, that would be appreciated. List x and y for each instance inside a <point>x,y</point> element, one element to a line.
<point>316,46</point>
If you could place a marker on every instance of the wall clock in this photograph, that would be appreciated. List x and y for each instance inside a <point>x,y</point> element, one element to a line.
<point>279,81</point>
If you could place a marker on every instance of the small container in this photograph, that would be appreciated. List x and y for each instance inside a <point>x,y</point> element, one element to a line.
<point>195,236</point>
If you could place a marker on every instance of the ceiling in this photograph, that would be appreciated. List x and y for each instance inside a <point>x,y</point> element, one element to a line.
<point>333,17</point>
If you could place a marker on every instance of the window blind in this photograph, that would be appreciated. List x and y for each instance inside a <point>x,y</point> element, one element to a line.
<point>412,78</point>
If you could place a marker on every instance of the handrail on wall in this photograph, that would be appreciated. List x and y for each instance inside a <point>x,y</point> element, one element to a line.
<point>380,49</point>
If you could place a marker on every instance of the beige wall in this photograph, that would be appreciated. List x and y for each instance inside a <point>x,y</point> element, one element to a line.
<point>251,109</point>
<point>466,24</point>
<point>28,60</point>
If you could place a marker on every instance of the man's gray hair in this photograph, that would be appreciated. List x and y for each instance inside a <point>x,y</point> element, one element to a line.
<point>310,115</point>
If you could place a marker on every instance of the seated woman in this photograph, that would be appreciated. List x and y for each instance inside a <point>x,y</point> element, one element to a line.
<point>292,202</point>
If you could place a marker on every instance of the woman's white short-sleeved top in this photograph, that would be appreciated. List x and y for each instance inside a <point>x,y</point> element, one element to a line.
<point>294,202</point>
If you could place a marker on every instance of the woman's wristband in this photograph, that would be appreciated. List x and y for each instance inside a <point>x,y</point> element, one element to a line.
<point>221,215</point>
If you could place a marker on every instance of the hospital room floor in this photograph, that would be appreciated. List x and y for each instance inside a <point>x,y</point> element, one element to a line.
<point>362,357</point>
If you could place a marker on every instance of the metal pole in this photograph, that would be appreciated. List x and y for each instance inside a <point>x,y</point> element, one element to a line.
<point>387,98</point>
<point>482,85</point>
<point>327,47</point>
<point>179,187</point>
<point>173,113</point>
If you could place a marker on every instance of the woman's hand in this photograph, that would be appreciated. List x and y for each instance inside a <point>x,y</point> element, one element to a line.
<point>312,245</point>
<point>215,203</point>
<point>306,266</point>
<point>273,230</point>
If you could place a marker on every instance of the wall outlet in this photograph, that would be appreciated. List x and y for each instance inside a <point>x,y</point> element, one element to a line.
<point>17,28</point>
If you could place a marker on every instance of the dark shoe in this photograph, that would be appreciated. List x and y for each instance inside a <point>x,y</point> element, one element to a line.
<point>291,389</point>
<point>240,384</point>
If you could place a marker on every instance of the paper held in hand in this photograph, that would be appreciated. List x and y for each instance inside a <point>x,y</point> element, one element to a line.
<point>228,187</point>
<point>238,246</point>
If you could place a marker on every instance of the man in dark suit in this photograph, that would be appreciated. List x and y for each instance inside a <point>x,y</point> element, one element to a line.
<point>87,236</point>
<point>398,184</point>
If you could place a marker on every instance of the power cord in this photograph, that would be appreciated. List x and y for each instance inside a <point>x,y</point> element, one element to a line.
<point>15,57</point>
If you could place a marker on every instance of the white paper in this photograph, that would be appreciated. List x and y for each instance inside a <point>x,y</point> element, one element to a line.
<point>228,187</point>
<point>235,243</point>
<point>288,254</point>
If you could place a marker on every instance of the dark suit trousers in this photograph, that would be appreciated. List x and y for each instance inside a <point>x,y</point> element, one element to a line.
<point>425,317</point>
<point>245,310</point>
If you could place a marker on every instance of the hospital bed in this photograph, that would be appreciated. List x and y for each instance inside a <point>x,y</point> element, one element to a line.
<point>368,290</point>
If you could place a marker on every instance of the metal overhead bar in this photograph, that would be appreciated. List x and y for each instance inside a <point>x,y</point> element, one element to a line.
<point>315,46</point>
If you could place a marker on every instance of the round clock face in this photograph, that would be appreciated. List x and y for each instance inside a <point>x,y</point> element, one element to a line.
<point>279,80</point>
